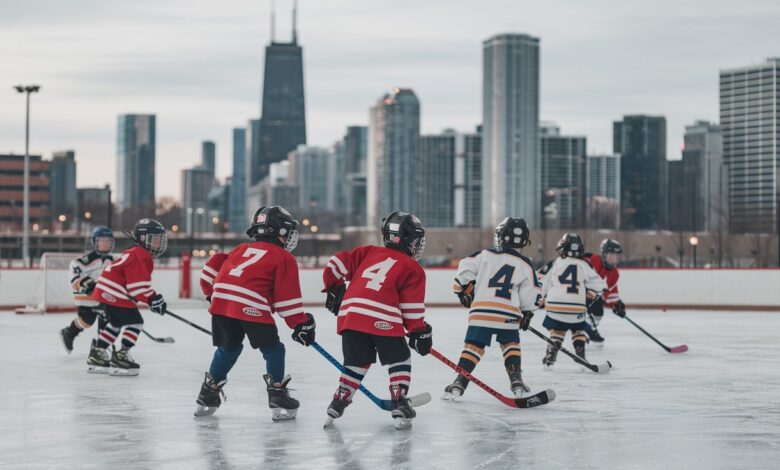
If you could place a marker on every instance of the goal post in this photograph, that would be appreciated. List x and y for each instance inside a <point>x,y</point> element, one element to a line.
<point>52,291</point>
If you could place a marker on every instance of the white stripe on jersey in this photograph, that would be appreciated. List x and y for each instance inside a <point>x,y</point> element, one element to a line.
<point>240,300</point>
<point>370,303</point>
<point>371,313</point>
<point>340,265</point>
<point>242,290</point>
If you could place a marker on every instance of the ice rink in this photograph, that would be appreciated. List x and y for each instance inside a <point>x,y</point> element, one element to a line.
<point>716,406</point>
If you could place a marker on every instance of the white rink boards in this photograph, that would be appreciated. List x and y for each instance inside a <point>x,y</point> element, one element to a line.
<point>715,406</point>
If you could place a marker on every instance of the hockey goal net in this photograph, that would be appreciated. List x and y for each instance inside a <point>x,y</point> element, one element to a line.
<point>52,290</point>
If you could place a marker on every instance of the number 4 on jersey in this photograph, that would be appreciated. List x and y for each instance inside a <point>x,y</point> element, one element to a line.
<point>502,282</point>
<point>569,278</point>
<point>377,273</point>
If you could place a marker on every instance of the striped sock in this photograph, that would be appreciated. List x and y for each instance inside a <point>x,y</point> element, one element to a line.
<point>470,356</point>
<point>130,335</point>
<point>512,356</point>
<point>349,382</point>
<point>107,336</point>
<point>401,374</point>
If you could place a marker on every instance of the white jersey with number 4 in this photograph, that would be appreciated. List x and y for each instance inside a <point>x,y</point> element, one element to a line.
<point>565,287</point>
<point>505,286</point>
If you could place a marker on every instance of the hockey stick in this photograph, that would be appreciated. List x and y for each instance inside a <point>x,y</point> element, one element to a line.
<point>197,327</point>
<point>537,399</point>
<point>677,349</point>
<point>599,369</point>
<point>166,339</point>
<point>387,405</point>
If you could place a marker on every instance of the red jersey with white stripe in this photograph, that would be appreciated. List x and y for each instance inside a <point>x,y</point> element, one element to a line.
<point>386,291</point>
<point>611,275</point>
<point>254,281</point>
<point>209,273</point>
<point>127,280</point>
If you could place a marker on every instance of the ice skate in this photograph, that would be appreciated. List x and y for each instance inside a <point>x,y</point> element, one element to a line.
<point>519,388</point>
<point>402,412</point>
<point>67,339</point>
<point>596,339</point>
<point>337,406</point>
<point>549,358</point>
<point>122,363</point>
<point>209,397</point>
<point>283,406</point>
<point>455,390</point>
<point>98,361</point>
<point>579,350</point>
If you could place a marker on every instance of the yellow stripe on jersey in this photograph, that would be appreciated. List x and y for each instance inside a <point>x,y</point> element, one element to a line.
<point>558,308</point>
<point>496,305</point>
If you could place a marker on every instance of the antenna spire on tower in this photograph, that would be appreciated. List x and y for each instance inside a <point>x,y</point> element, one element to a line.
<point>295,22</point>
<point>273,21</point>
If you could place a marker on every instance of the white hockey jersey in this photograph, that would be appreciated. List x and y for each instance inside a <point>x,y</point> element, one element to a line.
<point>505,286</point>
<point>88,266</point>
<point>565,287</point>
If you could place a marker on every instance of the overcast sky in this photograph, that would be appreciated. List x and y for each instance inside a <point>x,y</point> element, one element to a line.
<point>197,65</point>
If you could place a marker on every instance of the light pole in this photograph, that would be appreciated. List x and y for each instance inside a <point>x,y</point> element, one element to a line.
<point>27,89</point>
<point>694,241</point>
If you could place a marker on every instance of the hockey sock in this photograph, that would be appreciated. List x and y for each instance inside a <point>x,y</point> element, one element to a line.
<point>130,335</point>
<point>274,361</point>
<point>401,374</point>
<point>557,337</point>
<point>76,326</point>
<point>225,358</point>
<point>470,356</point>
<point>512,356</point>
<point>349,382</point>
<point>107,336</point>
<point>579,340</point>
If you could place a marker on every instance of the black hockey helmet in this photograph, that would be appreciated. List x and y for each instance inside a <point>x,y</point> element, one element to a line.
<point>511,233</point>
<point>272,222</point>
<point>405,232</point>
<point>609,245</point>
<point>101,232</point>
<point>570,245</point>
<point>151,235</point>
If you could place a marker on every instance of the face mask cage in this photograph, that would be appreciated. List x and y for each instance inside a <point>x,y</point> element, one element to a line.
<point>417,248</point>
<point>156,243</point>
<point>291,241</point>
<point>96,243</point>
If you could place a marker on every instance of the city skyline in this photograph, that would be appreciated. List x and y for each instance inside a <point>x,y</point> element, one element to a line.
<point>91,75</point>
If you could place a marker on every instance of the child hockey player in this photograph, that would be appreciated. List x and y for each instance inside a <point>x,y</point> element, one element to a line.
<point>499,287</point>
<point>383,302</point>
<point>566,285</point>
<point>124,283</point>
<point>84,273</point>
<point>606,266</point>
<point>245,287</point>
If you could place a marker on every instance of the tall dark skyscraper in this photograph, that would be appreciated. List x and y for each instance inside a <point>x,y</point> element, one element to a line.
<point>136,140</point>
<point>641,142</point>
<point>563,179</point>
<point>283,116</point>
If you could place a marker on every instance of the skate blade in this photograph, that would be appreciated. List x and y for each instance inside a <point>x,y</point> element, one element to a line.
<point>283,414</point>
<point>594,344</point>
<point>403,423</point>
<point>205,410</point>
<point>521,393</point>
<point>91,369</point>
<point>547,367</point>
<point>119,372</point>
<point>451,396</point>
<point>65,345</point>
<point>328,422</point>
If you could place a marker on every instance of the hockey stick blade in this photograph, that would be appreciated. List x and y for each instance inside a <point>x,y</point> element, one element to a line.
<point>599,369</point>
<point>675,350</point>
<point>166,339</point>
<point>603,368</point>
<point>679,349</point>
<point>537,399</point>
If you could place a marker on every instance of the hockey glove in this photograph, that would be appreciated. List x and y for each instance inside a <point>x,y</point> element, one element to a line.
<point>466,294</point>
<point>334,295</point>
<point>88,285</point>
<point>526,321</point>
<point>157,304</point>
<point>304,331</point>
<point>620,309</point>
<point>422,340</point>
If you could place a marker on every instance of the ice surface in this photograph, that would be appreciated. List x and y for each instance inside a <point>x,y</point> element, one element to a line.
<point>716,406</point>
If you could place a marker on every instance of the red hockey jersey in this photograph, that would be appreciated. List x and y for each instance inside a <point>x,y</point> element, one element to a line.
<point>209,273</point>
<point>386,292</point>
<point>610,275</point>
<point>252,282</point>
<point>127,280</point>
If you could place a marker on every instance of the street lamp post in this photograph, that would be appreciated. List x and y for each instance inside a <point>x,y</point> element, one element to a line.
<point>314,230</point>
<point>694,241</point>
<point>27,89</point>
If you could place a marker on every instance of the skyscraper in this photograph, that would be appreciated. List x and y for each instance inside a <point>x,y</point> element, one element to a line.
<point>355,162</point>
<point>468,179</point>
<point>135,169</point>
<point>393,155</point>
<point>283,109</point>
<point>252,174</point>
<point>511,167</point>
<point>64,197</point>
<point>209,155</point>
<point>437,170</point>
<point>641,142</point>
<point>603,190</point>
<point>563,179</point>
<point>699,201</point>
<point>196,185</point>
<point>749,104</point>
<point>237,196</point>
<point>309,171</point>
